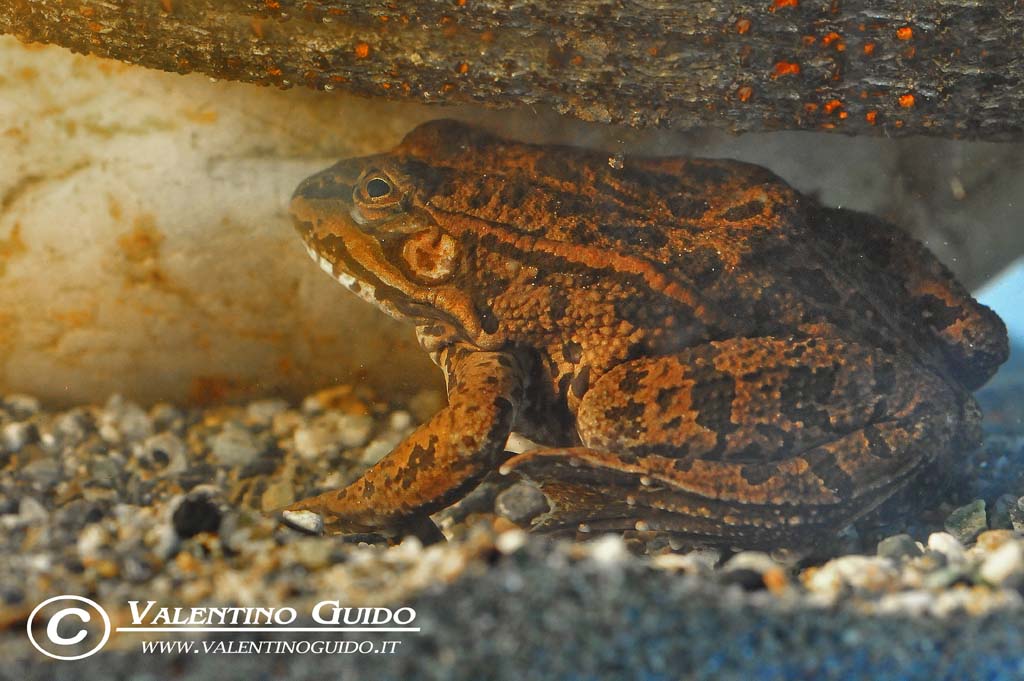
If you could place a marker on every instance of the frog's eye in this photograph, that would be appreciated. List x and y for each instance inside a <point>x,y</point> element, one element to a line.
<point>378,187</point>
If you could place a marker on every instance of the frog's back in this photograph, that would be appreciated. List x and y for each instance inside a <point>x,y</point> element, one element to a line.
<point>727,238</point>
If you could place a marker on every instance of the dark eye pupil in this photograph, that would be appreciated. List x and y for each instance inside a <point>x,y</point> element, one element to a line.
<point>377,188</point>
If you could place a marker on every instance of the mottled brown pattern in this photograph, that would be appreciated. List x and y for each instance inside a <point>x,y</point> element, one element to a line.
<point>700,348</point>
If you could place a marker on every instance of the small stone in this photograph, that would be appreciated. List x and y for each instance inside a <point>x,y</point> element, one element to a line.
<point>21,406</point>
<point>264,411</point>
<point>1016,513</point>
<point>521,503</point>
<point>379,447</point>
<point>510,541</point>
<point>400,420</point>
<point>312,553</point>
<point>747,569</point>
<point>608,549</point>
<point>166,416</point>
<point>16,435</point>
<point>196,512</point>
<point>124,421</point>
<point>305,521</point>
<point>74,426</point>
<point>967,522</point>
<point>425,404</point>
<point>93,538</point>
<point>277,494</point>
<point>164,451</point>
<point>1005,566</point>
<point>354,430</point>
<point>999,517</point>
<point>235,445</point>
<point>31,511</point>
<point>990,540</point>
<point>870,573</point>
<point>898,546</point>
<point>947,545</point>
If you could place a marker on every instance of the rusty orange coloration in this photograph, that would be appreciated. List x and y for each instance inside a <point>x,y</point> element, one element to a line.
<point>666,344</point>
<point>463,68</point>
<point>743,26</point>
<point>831,105</point>
<point>907,100</point>
<point>786,68</point>
<point>871,117</point>
<point>904,33</point>
<point>869,49</point>
<point>362,50</point>
<point>779,4</point>
<point>273,4</point>
<point>843,114</point>
<point>274,71</point>
<point>830,38</point>
<point>86,11</point>
<point>744,93</point>
<point>909,52</point>
<point>810,107</point>
<point>167,5</point>
<point>808,40</point>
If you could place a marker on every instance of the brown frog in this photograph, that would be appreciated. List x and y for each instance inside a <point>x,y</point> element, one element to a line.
<point>699,348</point>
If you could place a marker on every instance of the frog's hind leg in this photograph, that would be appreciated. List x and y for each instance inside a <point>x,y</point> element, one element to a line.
<point>972,337</point>
<point>750,442</point>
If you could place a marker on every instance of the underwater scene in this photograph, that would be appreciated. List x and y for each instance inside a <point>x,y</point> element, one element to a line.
<point>487,340</point>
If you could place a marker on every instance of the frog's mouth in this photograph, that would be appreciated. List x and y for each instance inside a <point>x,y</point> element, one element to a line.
<point>348,251</point>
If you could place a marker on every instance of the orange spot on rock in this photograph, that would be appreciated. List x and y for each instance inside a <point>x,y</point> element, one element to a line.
<point>831,105</point>
<point>779,4</point>
<point>463,68</point>
<point>745,93</point>
<point>871,117</point>
<point>786,68</point>
<point>904,33</point>
<point>869,49</point>
<point>843,115</point>
<point>362,50</point>
<point>907,100</point>
<point>810,107</point>
<point>743,26</point>
<point>830,38</point>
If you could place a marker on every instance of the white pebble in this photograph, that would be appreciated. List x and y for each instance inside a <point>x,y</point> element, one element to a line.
<point>947,545</point>
<point>399,420</point>
<point>1005,566</point>
<point>16,435</point>
<point>235,446</point>
<point>510,541</point>
<point>608,549</point>
<point>308,521</point>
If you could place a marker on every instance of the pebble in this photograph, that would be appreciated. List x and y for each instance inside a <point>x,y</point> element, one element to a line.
<point>124,421</point>
<point>196,512</point>
<point>967,522</point>
<point>307,521</point>
<point>899,546</point>
<point>21,406</point>
<point>16,435</point>
<point>277,495</point>
<point>521,503</point>
<point>1005,565</point>
<point>236,445</point>
<point>1016,513</point>
<point>264,411</point>
<point>948,545</point>
<point>999,518</point>
<point>164,451</point>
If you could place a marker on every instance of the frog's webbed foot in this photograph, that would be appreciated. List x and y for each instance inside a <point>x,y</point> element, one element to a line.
<point>330,521</point>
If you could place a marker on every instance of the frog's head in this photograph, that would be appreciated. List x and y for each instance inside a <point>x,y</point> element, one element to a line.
<point>363,221</point>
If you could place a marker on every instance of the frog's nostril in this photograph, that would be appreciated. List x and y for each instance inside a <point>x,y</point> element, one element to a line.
<point>321,186</point>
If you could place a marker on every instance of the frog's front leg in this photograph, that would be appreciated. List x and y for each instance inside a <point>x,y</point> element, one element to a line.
<point>440,461</point>
<point>757,442</point>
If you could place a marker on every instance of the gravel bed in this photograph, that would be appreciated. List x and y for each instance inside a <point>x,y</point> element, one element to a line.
<point>119,503</point>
